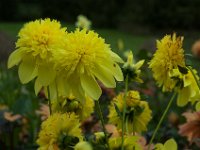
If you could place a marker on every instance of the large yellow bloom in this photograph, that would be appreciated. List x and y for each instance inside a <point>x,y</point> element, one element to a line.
<point>59,131</point>
<point>169,55</point>
<point>37,40</point>
<point>84,58</point>
<point>71,104</point>
<point>138,113</point>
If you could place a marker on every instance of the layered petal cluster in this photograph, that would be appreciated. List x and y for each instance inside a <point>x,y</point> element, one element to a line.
<point>37,40</point>
<point>169,55</point>
<point>132,69</point>
<point>72,104</point>
<point>138,113</point>
<point>59,131</point>
<point>85,58</point>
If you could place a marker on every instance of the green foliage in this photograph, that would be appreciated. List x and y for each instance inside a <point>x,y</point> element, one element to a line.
<point>172,14</point>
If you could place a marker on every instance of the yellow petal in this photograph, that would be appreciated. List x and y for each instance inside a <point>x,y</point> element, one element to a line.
<point>183,96</point>
<point>14,58</point>
<point>187,80</point>
<point>37,87</point>
<point>63,87</point>
<point>46,75</point>
<point>27,70</point>
<point>139,64</point>
<point>130,58</point>
<point>116,58</point>
<point>90,86</point>
<point>114,69</point>
<point>53,91</point>
<point>170,145</point>
<point>118,73</point>
<point>105,77</point>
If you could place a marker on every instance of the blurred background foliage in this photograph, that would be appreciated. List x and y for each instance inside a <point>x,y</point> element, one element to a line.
<point>176,14</point>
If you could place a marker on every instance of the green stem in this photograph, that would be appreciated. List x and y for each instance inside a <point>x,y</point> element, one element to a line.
<point>161,120</point>
<point>124,111</point>
<point>49,99</point>
<point>99,112</point>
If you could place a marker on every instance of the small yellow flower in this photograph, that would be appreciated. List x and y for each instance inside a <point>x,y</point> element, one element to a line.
<point>187,87</point>
<point>138,113</point>
<point>169,55</point>
<point>59,131</point>
<point>132,69</point>
<point>83,22</point>
<point>169,145</point>
<point>71,104</point>
<point>84,58</point>
<point>37,40</point>
<point>130,143</point>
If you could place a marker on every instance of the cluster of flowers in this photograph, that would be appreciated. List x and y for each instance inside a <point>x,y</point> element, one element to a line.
<point>68,65</point>
<point>172,73</point>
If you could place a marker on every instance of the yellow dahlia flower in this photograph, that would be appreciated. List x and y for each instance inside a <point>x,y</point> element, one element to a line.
<point>37,40</point>
<point>59,131</point>
<point>169,145</point>
<point>130,143</point>
<point>138,113</point>
<point>187,87</point>
<point>71,104</point>
<point>169,55</point>
<point>84,58</point>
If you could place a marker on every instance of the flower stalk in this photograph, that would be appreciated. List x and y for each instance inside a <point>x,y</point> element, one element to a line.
<point>99,112</point>
<point>161,119</point>
<point>124,112</point>
<point>49,100</point>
